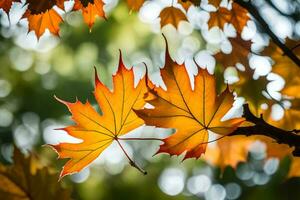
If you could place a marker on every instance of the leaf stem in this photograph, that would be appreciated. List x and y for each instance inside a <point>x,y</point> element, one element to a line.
<point>131,162</point>
<point>158,139</point>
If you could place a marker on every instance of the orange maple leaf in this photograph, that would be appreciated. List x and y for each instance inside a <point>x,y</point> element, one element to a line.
<point>38,23</point>
<point>237,16</point>
<point>229,151</point>
<point>171,15</point>
<point>135,5</point>
<point>41,16</point>
<point>6,4</point>
<point>186,4</point>
<point>191,112</point>
<point>90,10</point>
<point>215,3</point>
<point>97,131</point>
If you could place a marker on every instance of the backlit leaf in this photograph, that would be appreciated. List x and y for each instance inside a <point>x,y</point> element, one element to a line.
<point>187,3</point>
<point>6,4</point>
<point>237,16</point>
<point>191,112</point>
<point>135,5</point>
<point>97,131</point>
<point>90,10</point>
<point>38,23</point>
<point>171,15</point>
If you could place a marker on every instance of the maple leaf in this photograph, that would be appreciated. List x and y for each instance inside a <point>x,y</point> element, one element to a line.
<point>215,3</point>
<point>171,15</point>
<point>191,112</point>
<point>90,10</point>
<point>25,179</point>
<point>135,5</point>
<point>237,16</point>
<point>6,4</point>
<point>41,6</point>
<point>187,3</point>
<point>41,16</point>
<point>98,131</point>
<point>38,23</point>
<point>285,67</point>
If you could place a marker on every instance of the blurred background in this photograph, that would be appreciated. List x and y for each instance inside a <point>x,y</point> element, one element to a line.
<point>33,71</point>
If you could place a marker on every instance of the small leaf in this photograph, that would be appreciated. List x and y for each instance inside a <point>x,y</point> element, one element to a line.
<point>171,15</point>
<point>187,3</point>
<point>6,4</point>
<point>237,16</point>
<point>90,10</point>
<point>135,5</point>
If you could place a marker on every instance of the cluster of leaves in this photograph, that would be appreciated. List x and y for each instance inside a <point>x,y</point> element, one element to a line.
<point>42,15</point>
<point>192,112</point>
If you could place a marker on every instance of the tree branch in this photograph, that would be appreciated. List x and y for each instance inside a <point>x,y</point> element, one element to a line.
<point>254,12</point>
<point>261,127</point>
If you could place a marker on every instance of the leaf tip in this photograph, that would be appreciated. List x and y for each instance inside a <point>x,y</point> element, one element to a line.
<point>97,80</point>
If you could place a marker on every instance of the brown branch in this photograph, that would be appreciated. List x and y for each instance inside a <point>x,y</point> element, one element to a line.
<point>254,12</point>
<point>261,127</point>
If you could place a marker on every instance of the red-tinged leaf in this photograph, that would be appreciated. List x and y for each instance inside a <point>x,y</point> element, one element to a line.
<point>6,4</point>
<point>191,112</point>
